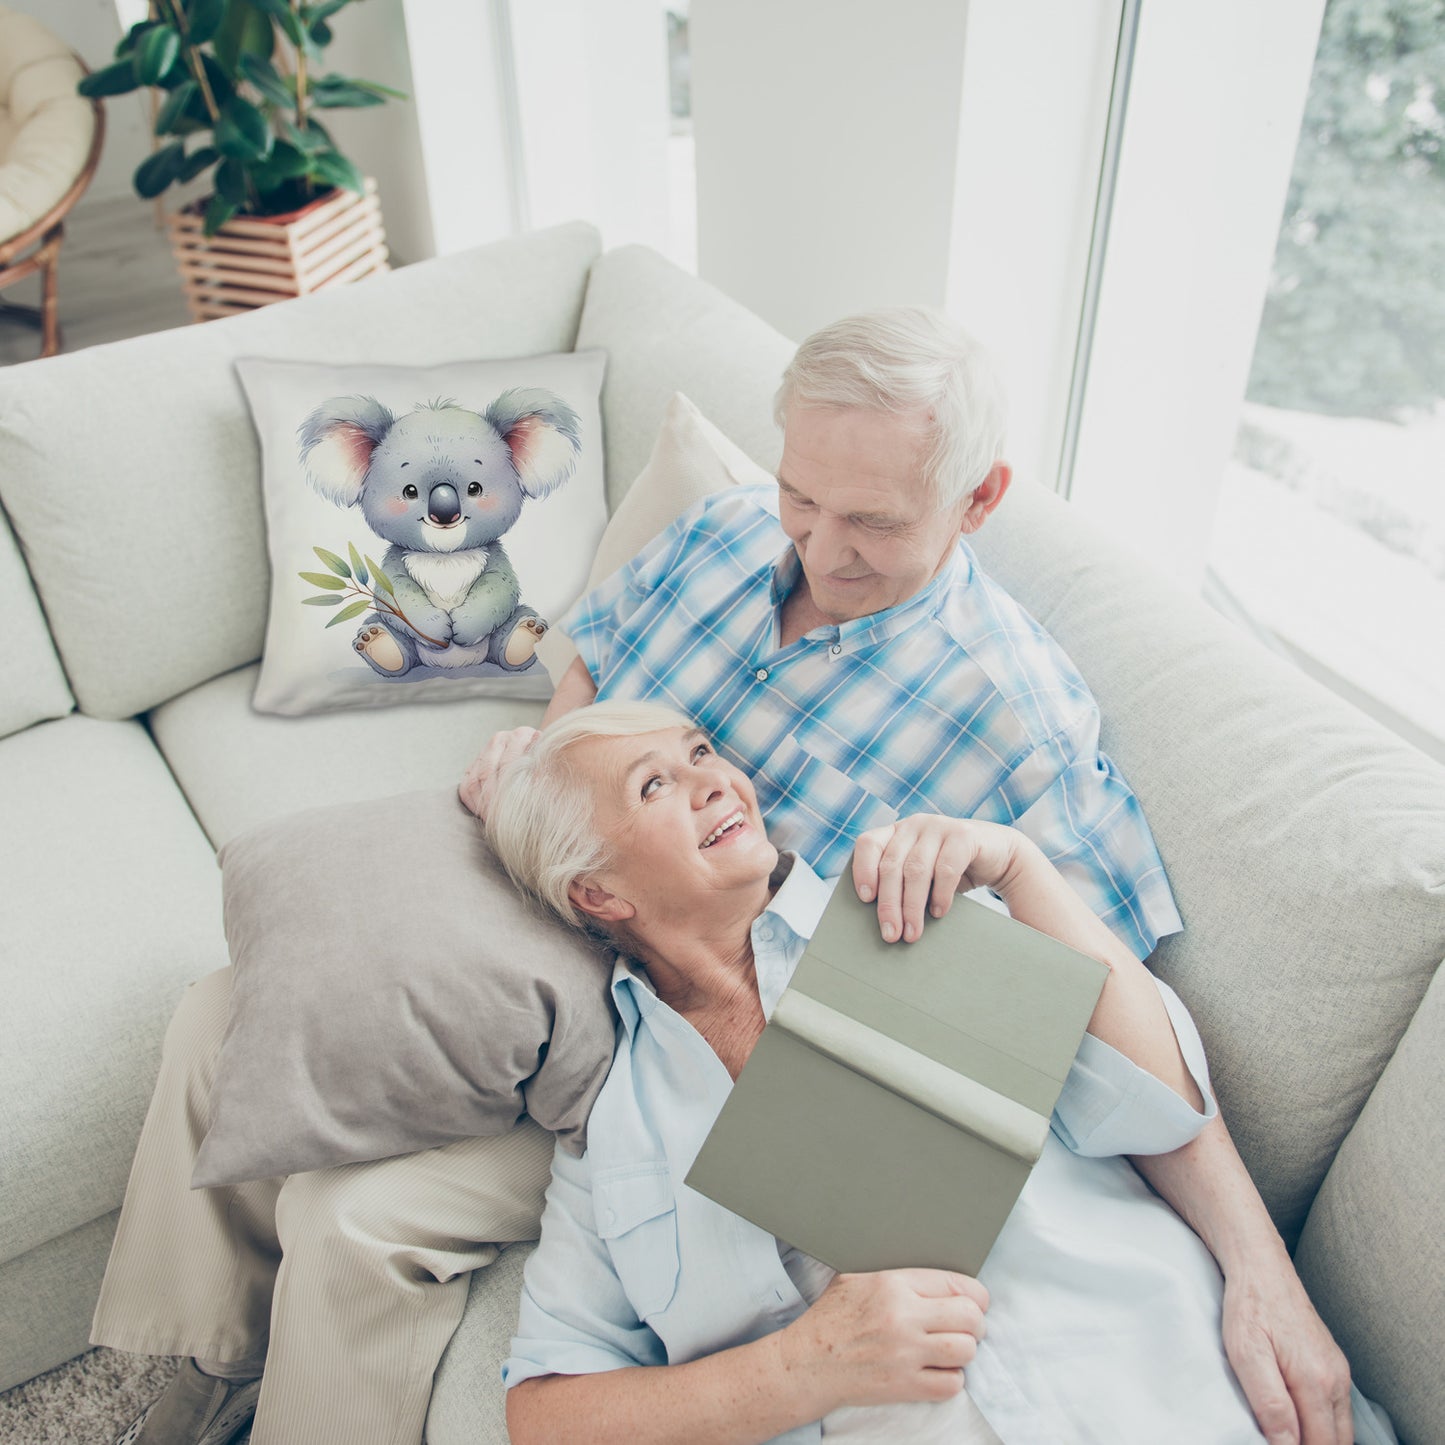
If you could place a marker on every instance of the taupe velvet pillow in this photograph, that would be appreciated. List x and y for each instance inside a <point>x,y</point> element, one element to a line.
<point>393,992</point>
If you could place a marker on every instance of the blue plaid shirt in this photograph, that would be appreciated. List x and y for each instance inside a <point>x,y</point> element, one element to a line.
<point>954,702</point>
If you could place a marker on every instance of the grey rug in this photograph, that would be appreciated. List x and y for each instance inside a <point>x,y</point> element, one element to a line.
<point>86,1402</point>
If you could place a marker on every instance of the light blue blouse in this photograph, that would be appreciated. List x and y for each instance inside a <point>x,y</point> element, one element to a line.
<point>1105,1316</point>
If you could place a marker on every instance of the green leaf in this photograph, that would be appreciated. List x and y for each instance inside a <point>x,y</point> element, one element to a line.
<point>333,92</point>
<point>322,601</point>
<point>231,182</point>
<point>381,579</point>
<point>218,212</point>
<point>222,87</point>
<point>157,52</point>
<point>354,610</point>
<point>278,89</point>
<point>244,31</point>
<point>324,11</point>
<point>320,36</point>
<point>242,132</point>
<point>131,38</point>
<point>285,17</point>
<point>377,88</point>
<point>157,171</point>
<point>333,561</point>
<point>203,19</point>
<point>358,567</point>
<point>175,105</point>
<point>333,168</point>
<point>313,140</point>
<point>285,163</point>
<point>117,79</point>
<point>323,580</point>
<point>198,161</point>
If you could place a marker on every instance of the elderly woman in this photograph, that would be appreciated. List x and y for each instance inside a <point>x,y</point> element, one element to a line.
<point>654,1314</point>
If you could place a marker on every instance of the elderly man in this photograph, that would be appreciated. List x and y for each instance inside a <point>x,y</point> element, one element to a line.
<point>838,640</point>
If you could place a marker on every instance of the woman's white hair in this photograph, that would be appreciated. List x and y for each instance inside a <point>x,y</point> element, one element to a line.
<point>908,360</point>
<point>542,821</point>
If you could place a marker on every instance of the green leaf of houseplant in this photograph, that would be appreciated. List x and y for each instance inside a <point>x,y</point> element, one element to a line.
<point>333,168</point>
<point>323,11</point>
<point>322,601</point>
<point>242,132</point>
<point>377,88</point>
<point>333,561</point>
<point>354,610</point>
<point>231,182</point>
<point>319,34</point>
<point>221,83</point>
<point>333,92</point>
<point>244,31</point>
<point>198,161</point>
<point>131,38</point>
<point>358,567</point>
<point>157,171</point>
<point>203,19</point>
<point>313,139</point>
<point>173,111</point>
<point>278,89</point>
<point>218,212</point>
<point>324,580</point>
<point>158,50</point>
<point>117,79</point>
<point>285,17</point>
<point>380,578</point>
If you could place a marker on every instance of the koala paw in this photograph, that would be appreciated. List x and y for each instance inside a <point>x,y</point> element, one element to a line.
<point>523,641</point>
<point>380,649</point>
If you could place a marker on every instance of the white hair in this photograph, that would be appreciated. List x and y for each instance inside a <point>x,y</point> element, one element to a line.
<point>908,360</point>
<point>542,821</point>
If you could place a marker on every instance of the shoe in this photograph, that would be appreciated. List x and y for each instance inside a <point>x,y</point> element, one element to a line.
<point>194,1409</point>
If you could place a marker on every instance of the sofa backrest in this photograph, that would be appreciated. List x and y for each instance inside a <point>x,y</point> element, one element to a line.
<point>33,687</point>
<point>131,472</point>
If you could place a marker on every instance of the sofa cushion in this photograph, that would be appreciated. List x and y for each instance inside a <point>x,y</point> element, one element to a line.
<point>664,331</point>
<point>34,686</point>
<point>394,1001</point>
<point>132,474</point>
<point>1302,841</point>
<point>1372,1254</point>
<point>239,768</point>
<point>344,450</point>
<point>110,906</point>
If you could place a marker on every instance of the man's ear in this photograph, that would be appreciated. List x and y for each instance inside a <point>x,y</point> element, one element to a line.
<point>596,902</point>
<point>986,496</point>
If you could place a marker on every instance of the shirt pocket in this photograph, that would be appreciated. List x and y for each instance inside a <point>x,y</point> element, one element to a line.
<point>636,1212</point>
<point>818,810</point>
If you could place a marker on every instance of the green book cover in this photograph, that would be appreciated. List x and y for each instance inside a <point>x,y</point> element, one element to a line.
<point>900,1094</point>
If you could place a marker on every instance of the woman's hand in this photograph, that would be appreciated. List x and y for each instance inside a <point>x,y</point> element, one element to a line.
<point>918,864</point>
<point>477,784</point>
<point>898,1335</point>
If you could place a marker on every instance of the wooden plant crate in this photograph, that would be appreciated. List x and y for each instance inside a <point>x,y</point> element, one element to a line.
<point>255,260</point>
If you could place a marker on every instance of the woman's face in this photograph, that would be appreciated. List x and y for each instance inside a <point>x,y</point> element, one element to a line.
<point>681,823</point>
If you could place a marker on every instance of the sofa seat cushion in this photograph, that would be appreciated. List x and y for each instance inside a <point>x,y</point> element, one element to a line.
<point>111,904</point>
<point>1302,842</point>
<point>141,518</point>
<point>239,768</point>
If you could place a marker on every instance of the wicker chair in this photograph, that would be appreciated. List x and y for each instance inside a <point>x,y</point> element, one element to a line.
<point>50,140</point>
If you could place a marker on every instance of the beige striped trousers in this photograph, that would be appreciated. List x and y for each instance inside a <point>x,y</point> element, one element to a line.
<point>350,1281</point>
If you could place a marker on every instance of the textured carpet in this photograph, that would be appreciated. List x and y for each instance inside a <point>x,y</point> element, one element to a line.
<point>86,1402</point>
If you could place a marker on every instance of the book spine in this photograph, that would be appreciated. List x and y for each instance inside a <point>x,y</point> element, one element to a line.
<point>953,1097</point>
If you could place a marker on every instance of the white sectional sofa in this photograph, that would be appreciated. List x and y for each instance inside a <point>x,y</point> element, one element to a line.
<point>1305,845</point>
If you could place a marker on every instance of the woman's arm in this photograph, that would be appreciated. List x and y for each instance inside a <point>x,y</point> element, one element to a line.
<point>870,1339</point>
<point>916,866</point>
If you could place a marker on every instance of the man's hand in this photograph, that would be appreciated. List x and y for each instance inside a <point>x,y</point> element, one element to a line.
<point>475,788</point>
<point>1295,1377</point>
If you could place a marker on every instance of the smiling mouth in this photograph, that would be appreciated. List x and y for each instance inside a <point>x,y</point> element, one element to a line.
<point>728,825</point>
<point>442,526</point>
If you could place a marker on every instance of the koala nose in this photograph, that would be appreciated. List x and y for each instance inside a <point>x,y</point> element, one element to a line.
<point>443,508</point>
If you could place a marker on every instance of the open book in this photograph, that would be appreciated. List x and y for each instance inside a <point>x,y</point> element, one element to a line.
<point>900,1094</point>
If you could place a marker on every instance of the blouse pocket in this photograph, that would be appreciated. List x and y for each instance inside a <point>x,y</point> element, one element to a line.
<point>637,1217</point>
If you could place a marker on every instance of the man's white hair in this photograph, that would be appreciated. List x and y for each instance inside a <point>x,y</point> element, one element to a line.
<point>542,821</point>
<point>908,360</point>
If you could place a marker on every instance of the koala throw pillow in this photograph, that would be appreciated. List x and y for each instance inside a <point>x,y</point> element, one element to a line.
<point>425,524</point>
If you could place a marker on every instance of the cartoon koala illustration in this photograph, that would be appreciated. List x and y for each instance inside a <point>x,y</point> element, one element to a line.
<point>442,484</point>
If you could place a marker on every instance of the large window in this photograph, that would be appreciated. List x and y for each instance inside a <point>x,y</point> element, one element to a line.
<point>1330,528</point>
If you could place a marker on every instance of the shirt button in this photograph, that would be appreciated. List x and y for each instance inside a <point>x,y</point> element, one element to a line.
<point>836,648</point>
<point>761,674</point>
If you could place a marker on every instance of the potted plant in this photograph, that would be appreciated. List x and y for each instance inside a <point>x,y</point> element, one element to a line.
<point>239,85</point>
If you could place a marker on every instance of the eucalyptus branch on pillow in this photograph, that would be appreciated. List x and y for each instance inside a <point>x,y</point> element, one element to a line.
<point>364,582</point>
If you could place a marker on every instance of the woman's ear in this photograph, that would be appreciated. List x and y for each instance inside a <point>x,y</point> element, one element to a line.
<point>596,902</point>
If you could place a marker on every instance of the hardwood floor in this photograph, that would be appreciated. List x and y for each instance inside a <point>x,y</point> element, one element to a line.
<point>117,279</point>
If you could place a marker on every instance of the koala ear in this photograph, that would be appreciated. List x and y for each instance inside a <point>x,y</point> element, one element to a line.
<point>542,432</point>
<point>337,441</point>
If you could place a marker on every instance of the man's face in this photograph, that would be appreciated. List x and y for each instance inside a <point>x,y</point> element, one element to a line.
<point>853,501</point>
